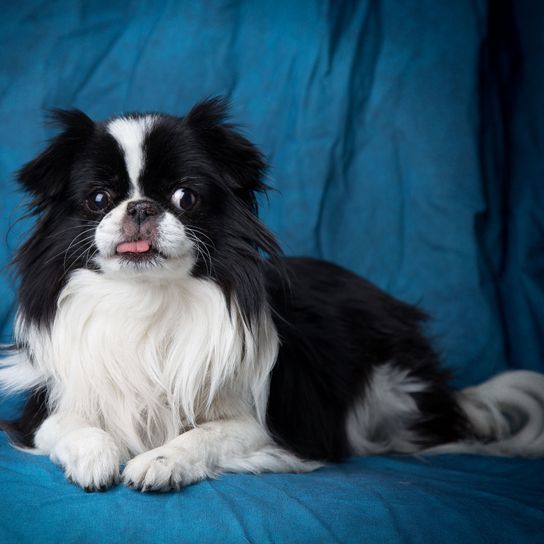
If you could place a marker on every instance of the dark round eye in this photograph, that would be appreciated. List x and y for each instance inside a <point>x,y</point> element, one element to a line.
<point>184,199</point>
<point>99,201</point>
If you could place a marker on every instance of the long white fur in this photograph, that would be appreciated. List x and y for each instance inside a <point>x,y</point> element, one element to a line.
<point>145,360</point>
<point>507,413</point>
<point>18,374</point>
<point>379,422</point>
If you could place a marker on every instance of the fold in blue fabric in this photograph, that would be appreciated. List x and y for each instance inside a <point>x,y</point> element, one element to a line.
<point>371,116</point>
<point>405,143</point>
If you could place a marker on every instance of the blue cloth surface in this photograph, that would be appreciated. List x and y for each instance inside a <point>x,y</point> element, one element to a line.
<point>397,499</point>
<point>405,141</point>
<point>370,114</point>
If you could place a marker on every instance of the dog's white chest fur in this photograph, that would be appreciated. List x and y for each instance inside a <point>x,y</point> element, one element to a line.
<point>144,359</point>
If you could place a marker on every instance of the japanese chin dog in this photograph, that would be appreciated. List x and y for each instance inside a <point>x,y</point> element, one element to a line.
<point>160,329</point>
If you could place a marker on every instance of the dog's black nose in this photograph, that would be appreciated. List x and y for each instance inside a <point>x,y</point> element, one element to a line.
<point>141,210</point>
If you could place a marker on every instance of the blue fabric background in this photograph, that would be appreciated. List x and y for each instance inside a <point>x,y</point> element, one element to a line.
<point>405,142</point>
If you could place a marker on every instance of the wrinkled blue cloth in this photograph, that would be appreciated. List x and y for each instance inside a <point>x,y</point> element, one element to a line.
<point>396,499</point>
<point>405,142</point>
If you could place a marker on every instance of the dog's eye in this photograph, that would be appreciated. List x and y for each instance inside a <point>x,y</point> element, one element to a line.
<point>99,201</point>
<point>184,199</point>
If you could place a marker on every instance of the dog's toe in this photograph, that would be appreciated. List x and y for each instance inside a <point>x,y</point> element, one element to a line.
<point>162,470</point>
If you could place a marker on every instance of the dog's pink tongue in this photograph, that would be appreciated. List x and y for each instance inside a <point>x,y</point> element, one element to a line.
<point>140,246</point>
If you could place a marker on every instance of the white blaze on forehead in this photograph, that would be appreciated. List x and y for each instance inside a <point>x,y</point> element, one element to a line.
<point>130,133</point>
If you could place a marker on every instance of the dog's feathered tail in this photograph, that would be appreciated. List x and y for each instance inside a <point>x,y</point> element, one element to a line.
<point>19,375</point>
<point>506,416</point>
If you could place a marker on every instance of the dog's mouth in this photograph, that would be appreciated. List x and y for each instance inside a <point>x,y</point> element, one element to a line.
<point>138,251</point>
<point>136,247</point>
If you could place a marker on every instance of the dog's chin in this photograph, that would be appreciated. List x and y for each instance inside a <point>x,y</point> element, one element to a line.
<point>152,264</point>
<point>148,259</point>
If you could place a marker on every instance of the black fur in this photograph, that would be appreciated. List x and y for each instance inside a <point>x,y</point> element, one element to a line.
<point>21,431</point>
<point>335,328</point>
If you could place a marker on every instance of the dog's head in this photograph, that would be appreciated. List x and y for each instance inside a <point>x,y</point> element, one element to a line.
<point>149,196</point>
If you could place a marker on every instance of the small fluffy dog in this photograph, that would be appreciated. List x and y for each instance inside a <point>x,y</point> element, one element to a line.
<point>160,328</point>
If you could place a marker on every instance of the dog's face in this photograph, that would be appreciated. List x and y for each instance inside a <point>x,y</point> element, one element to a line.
<point>146,195</point>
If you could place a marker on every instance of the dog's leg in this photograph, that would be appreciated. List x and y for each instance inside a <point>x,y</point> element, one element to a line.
<point>88,455</point>
<point>239,445</point>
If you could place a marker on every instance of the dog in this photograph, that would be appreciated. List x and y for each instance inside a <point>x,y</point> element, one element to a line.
<point>159,327</point>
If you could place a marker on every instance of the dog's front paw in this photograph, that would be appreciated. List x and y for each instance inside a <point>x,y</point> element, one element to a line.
<point>90,458</point>
<point>163,469</point>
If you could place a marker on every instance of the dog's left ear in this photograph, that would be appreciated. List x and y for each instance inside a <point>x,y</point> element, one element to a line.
<point>46,176</point>
<point>241,163</point>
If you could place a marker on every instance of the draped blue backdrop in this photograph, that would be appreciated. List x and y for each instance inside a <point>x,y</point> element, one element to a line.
<point>405,142</point>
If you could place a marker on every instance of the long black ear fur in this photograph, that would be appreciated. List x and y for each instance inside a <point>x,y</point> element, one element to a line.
<point>46,176</point>
<point>240,161</point>
<point>242,167</point>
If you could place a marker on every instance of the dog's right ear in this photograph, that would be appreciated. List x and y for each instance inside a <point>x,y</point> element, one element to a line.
<point>46,176</point>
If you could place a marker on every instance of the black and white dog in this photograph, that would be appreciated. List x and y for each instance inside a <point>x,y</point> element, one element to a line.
<point>160,328</point>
